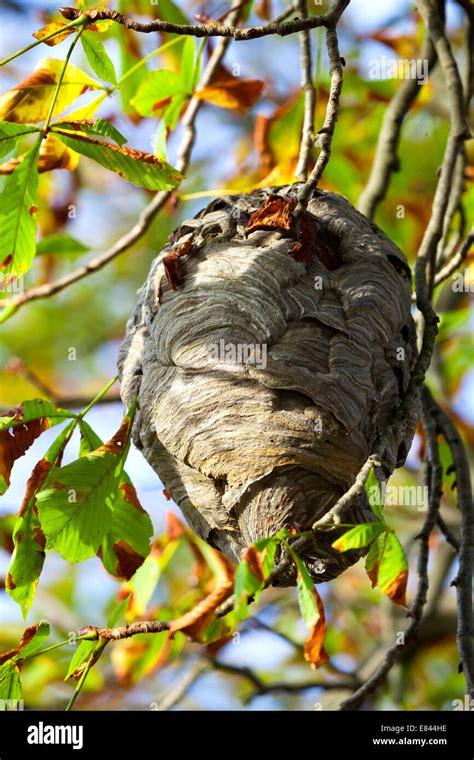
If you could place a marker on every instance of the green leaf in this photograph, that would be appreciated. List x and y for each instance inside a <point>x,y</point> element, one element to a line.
<point>374,495</point>
<point>387,567</point>
<point>358,536</point>
<point>98,58</point>
<point>143,169</point>
<point>144,581</point>
<point>127,544</point>
<point>118,612</point>
<point>18,208</point>
<point>156,91</point>
<point>188,65</point>
<point>75,511</point>
<point>10,683</point>
<point>34,409</point>
<point>37,642</point>
<point>159,140</point>
<point>61,245</point>
<point>10,133</point>
<point>245,584</point>
<point>99,127</point>
<point>28,557</point>
<point>306,598</point>
<point>80,656</point>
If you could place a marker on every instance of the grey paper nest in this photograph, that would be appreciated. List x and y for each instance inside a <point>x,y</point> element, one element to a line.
<point>263,380</point>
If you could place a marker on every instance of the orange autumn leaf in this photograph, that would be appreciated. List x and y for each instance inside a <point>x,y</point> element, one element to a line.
<point>238,94</point>
<point>396,590</point>
<point>253,559</point>
<point>314,651</point>
<point>194,622</point>
<point>174,527</point>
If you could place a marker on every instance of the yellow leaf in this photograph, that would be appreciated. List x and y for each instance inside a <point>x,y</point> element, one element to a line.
<point>49,29</point>
<point>30,100</point>
<point>53,155</point>
<point>87,111</point>
<point>232,93</point>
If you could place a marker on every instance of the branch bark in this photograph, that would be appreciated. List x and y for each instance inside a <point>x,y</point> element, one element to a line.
<point>281,28</point>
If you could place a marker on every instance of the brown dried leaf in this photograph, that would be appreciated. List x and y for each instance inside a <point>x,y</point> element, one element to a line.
<point>28,634</point>
<point>128,559</point>
<point>275,214</point>
<point>15,443</point>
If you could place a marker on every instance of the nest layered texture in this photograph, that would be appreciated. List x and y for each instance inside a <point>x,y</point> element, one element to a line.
<point>265,369</point>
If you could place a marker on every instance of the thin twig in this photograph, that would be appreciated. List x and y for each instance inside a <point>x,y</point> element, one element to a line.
<point>448,533</point>
<point>463,581</point>
<point>179,691</point>
<point>386,159</point>
<point>456,261</point>
<point>307,85</point>
<point>326,132</point>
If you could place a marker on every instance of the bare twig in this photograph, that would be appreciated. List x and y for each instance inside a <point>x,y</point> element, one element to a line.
<point>447,533</point>
<point>386,159</point>
<point>179,691</point>
<point>262,687</point>
<point>336,64</point>
<point>281,28</point>
<point>307,85</point>
<point>456,261</point>
<point>463,581</point>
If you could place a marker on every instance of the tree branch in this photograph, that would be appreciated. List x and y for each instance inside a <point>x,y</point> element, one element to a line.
<point>326,132</point>
<point>307,85</point>
<point>386,159</point>
<point>281,28</point>
<point>463,581</point>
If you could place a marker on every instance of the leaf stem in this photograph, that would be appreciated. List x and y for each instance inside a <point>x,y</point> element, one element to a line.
<point>97,398</point>
<point>137,65</point>
<point>95,654</point>
<point>60,81</point>
<point>54,646</point>
<point>71,25</point>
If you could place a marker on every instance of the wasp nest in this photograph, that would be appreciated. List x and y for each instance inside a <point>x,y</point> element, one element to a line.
<point>266,360</point>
